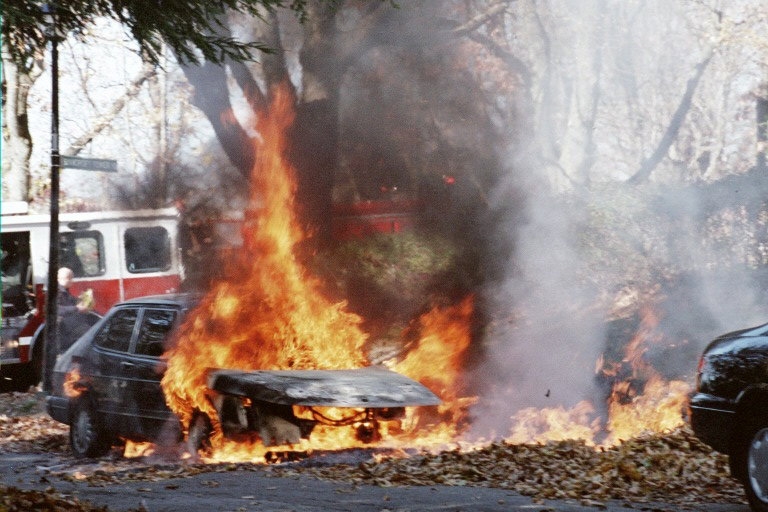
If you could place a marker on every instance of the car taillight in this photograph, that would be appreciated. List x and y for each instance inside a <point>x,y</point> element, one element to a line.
<point>702,367</point>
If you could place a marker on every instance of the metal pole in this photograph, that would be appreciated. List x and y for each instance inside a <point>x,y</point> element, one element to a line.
<point>51,347</point>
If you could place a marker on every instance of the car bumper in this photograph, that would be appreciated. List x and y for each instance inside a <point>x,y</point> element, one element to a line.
<point>712,420</point>
<point>58,408</point>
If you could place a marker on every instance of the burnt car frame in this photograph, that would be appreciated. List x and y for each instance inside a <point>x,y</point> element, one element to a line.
<point>106,387</point>
<point>729,409</point>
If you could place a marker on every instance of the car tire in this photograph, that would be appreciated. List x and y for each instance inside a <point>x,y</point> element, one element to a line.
<point>86,437</point>
<point>199,434</point>
<point>755,470</point>
<point>35,370</point>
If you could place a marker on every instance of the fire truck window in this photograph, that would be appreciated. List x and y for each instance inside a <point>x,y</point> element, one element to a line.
<point>17,292</point>
<point>82,251</point>
<point>116,332</point>
<point>155,328</point>
<point>147,249</point>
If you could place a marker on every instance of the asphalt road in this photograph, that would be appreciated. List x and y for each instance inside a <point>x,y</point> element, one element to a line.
<point>257,490</point>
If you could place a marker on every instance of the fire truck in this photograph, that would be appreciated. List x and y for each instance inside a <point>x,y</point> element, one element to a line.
<point>114,255</point>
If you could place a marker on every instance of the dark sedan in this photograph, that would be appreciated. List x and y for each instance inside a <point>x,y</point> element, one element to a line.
<point>729,410</point>
<point>106,387</point>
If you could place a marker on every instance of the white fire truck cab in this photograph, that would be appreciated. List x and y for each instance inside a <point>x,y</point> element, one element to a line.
<point>117,255</point>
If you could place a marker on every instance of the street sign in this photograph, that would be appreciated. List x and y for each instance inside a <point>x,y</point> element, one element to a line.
<point>88,164</point>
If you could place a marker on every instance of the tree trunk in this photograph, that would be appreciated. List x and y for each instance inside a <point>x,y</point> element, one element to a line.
<point>211,96</point>
<point>313,152</point>
<point>17,141</point>
<point>314,139</point>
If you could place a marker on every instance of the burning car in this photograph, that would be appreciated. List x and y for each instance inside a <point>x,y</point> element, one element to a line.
<point>107,387</point>
<point>729,410</point>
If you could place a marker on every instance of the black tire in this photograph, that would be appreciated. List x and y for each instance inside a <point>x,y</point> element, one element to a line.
<point>35,370</point>
<point>199,434</point>
<point>86,436</point>
<point>755,470</point>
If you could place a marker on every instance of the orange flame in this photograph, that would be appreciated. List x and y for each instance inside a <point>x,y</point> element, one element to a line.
<point>657,407</point>
<point>135,449</point>
<point>73,385</point>
<point>271,314</point>
<point>436,360</point>
<point>554,424</point>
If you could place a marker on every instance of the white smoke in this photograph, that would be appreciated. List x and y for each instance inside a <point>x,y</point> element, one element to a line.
<point>551,307</point>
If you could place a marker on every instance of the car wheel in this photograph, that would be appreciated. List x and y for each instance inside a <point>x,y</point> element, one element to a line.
<point>86,438</point>
<point>199,434</point>
<point>756,470</point>
<point>36,365</point>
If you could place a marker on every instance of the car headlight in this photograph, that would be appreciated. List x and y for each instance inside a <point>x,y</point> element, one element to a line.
<point>10,348</point>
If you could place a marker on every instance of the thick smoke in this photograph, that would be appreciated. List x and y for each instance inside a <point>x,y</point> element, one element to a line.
<point>552,312</point>
<point>544,336</point>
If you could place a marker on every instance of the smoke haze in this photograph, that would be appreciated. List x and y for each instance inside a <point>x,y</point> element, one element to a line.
<point>578,269</point>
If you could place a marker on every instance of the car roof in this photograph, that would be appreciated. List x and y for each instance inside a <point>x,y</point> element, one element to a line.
<point>183,300</point>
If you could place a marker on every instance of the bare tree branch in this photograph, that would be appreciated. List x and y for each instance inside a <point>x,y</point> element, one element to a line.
<point>473,24</point>
<point>147,71</point>
<point>675,123</point>
<point>515,64</point>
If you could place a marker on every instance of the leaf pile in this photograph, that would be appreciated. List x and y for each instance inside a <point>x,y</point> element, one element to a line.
<point>25,428</point>
<point>673,468</point>
<point>17,500</point>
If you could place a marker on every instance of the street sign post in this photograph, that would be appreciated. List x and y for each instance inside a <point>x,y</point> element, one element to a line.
<point>88,164</point>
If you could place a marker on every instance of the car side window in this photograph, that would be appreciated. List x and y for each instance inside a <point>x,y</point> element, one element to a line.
<point>117,331</point>
<point>155,328</point>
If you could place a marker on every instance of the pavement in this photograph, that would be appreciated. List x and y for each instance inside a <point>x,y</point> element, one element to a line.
<point>258,490</point>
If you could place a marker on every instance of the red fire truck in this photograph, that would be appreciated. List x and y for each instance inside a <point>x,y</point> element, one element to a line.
<point>117,255</point>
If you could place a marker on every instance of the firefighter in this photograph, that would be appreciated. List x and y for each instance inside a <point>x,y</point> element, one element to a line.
<point>73,313</point>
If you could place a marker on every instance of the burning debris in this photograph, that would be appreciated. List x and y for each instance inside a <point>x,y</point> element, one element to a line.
<point>284,407</point>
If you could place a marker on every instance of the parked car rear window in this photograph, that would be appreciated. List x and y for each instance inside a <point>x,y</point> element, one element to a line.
<point>155,327</point>
<point>116,332</point>
<point>147,249</point>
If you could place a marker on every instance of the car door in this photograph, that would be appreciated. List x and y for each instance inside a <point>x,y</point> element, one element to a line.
<point>147,400</point>
<point>111,364</point>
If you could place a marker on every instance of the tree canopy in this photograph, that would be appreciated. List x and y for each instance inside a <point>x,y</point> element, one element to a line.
<point>189,27</point>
